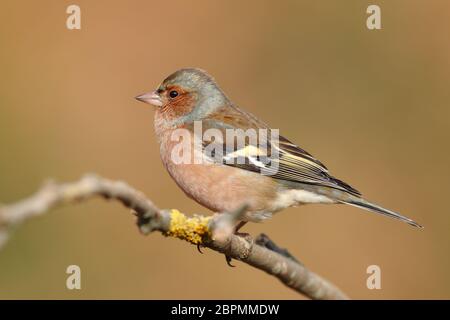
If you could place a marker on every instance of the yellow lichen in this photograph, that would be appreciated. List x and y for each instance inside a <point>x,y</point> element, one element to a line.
<point>193,230</point>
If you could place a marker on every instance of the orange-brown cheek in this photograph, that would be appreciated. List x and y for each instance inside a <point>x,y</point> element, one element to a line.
<point>179,107</point>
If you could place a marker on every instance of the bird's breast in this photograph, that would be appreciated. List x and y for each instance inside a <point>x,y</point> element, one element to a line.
<point>218,187</point>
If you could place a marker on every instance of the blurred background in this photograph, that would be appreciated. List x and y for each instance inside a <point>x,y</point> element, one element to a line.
<point>372,105</point>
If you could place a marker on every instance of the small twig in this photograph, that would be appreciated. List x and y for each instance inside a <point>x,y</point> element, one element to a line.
<point>264,241</point>
<point>214,232</point>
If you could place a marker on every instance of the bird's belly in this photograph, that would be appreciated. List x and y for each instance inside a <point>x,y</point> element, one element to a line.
<point>223,188</point>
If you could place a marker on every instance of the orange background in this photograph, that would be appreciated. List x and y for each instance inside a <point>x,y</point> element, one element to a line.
<point>372,105</point>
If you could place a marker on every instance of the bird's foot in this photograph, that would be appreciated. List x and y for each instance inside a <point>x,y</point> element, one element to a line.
<point>244,235</point>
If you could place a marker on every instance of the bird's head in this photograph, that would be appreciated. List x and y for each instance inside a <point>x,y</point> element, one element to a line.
<point>189,93</point>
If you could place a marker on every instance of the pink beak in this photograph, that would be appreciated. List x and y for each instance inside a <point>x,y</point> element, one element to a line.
<point>151,98</point>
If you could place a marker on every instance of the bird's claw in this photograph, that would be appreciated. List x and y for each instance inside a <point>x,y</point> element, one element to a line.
<point>228,260</point>
<point>199,248</point>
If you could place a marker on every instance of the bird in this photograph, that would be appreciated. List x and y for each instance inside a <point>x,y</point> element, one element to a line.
<point>200,134</point>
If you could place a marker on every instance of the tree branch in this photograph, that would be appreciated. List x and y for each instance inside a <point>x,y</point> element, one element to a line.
<point>214,232</point>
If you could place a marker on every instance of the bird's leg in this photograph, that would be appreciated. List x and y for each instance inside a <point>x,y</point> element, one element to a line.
<point>236,232</point>
<point>244,235</point>
<point>238,227</point>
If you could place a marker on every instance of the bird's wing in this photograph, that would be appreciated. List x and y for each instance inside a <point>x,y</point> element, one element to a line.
<point>278,158</point>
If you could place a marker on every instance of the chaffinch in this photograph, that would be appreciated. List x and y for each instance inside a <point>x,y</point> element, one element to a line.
<point>205,147</point>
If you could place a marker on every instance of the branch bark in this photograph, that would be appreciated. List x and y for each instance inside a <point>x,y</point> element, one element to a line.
<point>214,232</point>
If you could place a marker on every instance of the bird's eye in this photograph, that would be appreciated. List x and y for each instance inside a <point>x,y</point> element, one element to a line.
<point>173,94</point>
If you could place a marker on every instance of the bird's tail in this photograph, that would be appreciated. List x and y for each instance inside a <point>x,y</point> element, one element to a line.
<point>364,204</point>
